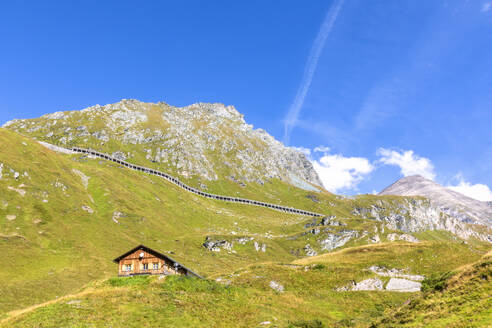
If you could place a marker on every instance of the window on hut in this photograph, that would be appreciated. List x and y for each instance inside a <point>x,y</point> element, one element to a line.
<point>145,266</point>
<point>155,266</point>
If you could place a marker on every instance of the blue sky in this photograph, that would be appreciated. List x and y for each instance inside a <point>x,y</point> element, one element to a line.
<point>382,88</point>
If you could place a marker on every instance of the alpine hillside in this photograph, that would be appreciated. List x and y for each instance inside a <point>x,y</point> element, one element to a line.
<point>65,216</point>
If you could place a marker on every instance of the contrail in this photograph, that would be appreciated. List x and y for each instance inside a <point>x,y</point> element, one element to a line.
<point>312,61</point>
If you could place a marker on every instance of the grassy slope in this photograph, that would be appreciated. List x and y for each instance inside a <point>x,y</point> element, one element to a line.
<point>465,302</point>
<point>69,247</point>
<point>309,294</point>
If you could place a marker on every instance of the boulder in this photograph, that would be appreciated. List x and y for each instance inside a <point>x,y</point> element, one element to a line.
<point>276,286</point>
<point>369,284</point>
<point>375,239</point>
<point>87,209</point>
<point>260,247</point>
<point>403,285</point>
<point>408,238</point>
<point>11,217</point>
<point>404,237</point>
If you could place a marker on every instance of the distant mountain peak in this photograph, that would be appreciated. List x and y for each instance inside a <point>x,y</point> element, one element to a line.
<point>457,205</point>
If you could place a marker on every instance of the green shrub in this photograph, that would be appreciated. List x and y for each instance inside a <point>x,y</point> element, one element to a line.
<point>128,281</point>
<point>436,281</point>
<point>345,323</point>
<point>306,324</point>
<point>319,267</point>
<point>192,284</point>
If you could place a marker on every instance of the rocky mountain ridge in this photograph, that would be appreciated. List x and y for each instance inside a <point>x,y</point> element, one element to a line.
<point>208,141</point>
<point>212,142</point>
<point>420,214</point>
<point>449,202</point>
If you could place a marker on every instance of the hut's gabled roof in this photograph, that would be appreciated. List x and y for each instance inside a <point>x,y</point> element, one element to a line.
<point>156,254</point>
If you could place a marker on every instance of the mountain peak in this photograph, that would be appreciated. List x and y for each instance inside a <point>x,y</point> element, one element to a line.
<point>209,141</point>
<point>451,202</point>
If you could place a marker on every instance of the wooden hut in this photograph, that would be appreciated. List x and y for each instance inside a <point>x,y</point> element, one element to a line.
<point>143,260</point>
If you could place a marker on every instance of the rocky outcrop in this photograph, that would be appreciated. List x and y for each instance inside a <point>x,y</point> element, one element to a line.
<point>335,240</point>
<point>217,245</point>
<point>310,251</point>
<point>325,221</point>
<point>394,285</point>
<point>259,247</point>
<point>276,286</point>
<point>367,284</point>
<point>403,285</point>
<point>375,239</point>
<point>403,237</point>
<point>395,273</point>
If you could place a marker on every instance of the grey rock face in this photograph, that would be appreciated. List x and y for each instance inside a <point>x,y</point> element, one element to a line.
<point>409,238</point>
<point>309,251</point>
<point>395,284</point>
<point>456,205</point>
<point>403,285</point>
<point>335,240</point>
<point>404,237</point>
<point>119,155</point>
<point>330,221</point>
<point>217,245</point>
<point>368,284</point>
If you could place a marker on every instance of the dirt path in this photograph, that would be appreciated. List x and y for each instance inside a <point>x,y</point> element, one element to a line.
<point>16,313</point>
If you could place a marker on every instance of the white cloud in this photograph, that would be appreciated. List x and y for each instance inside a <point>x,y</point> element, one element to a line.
<point>291,119</point>
<point>305,151</point>
<point>409,163</point>
<point>321,149</point>
<point>486,6</point>
<point>338,172</point>
<point>477,191</point>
